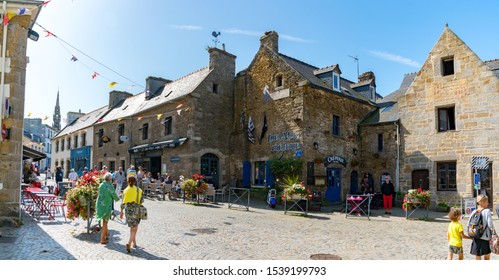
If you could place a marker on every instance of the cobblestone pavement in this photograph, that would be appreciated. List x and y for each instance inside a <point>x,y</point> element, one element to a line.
<point>183,231</point>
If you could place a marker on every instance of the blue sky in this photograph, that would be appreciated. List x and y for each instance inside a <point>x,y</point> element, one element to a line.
<point>168,39</point>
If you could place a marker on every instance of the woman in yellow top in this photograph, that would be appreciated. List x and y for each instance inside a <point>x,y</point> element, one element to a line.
<point>132,199</point>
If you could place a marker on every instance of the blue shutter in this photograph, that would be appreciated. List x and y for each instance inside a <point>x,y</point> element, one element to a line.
<point>246,174</point>
<point>269,177</point>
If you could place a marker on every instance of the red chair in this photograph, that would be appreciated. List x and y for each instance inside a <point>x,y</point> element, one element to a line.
<point>58,204</point>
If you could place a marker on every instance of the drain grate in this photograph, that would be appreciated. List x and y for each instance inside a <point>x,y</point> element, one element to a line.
<point>325,257</point>
<point>205,230</point>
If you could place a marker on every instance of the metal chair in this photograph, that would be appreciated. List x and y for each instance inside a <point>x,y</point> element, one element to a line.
<point>221,192</point>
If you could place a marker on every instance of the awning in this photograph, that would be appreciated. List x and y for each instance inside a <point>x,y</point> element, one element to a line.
<point>35,155</point>
<point>158,145</point>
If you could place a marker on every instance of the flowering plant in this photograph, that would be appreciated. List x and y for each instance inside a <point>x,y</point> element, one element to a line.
<point>416,196</point>
<point>84,193</point>
<point>194,186</point>
<point>295,189</point>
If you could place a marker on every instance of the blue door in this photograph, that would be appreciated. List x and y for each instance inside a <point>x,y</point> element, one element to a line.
<point>333,189</point>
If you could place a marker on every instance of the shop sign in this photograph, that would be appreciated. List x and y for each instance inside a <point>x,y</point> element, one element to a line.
<point>286,147</point>
<point>174,159</point>
<point>106,139</point>
<point>334,158</point>
<point>285,136</point>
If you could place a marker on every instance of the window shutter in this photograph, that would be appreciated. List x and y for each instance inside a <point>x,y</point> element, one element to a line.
<point>246,174</point>
<point>269,176</point>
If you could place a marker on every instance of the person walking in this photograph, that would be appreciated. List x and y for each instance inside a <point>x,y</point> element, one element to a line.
<point>132,199</point>
<point>105,199</point>
<point>455,234</point>
<point>73,176</point>
<point>388,190</point>
<point>480,246</point>
<point>119,179</point>
<point>58,177</point>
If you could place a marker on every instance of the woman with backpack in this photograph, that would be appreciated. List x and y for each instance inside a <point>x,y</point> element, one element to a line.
<point>480,245</point>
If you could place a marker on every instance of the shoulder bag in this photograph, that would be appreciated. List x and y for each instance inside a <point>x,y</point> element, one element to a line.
<point>494,243</point>
<point>142,209</point>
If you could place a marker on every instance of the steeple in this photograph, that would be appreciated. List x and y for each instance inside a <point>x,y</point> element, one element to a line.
<point>57,114</point>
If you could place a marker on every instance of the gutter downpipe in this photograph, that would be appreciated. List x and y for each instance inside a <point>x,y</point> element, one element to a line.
<point>397,164</point>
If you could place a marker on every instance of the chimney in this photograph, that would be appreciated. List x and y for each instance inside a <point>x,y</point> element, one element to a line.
<point>154,86</point>
<point>222,59</point>
<point>367,77</point>
<point>270,40</point>
<point>115,97</point>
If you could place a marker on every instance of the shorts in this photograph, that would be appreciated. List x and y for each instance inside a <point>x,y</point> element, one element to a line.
<point>456,250</point>
<point>480,247</point>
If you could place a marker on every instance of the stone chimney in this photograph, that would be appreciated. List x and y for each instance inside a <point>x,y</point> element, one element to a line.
<point>153,86</point>
<point>222,59</point>
<point>116,97</point>
<point>367,77</point>
<point>270,40</point>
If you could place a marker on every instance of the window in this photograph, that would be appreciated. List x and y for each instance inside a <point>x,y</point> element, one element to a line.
<point>448,66</point>
<point>214,88</point>
<point>56,147</point>
<point>336,125</point>
<point>123,165</point>
<point>168,125</point>
<point>336,81</point>
<point>259,176</point>
<point>100,165</point>
<point>100,134</point>
<point>75,145</point>
<point>446,119</point>
<point>279,81</point>
<point>112,166</point>
<point>121,132</point>
<point>380,142</point>
<point>69,143</point>
<point>62,144</point>
<point>83,139</point>
<point>446,172</point>
<point>372,93</point>
<point>145,131</point>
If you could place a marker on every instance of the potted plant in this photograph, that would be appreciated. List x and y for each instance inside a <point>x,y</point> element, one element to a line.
<point>293,189</point>
<point>442,207</point>
<point>415,197</point>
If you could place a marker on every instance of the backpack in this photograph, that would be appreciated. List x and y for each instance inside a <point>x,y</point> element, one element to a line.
<point>475,225</point>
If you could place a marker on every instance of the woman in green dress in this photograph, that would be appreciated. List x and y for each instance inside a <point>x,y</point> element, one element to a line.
<point>104,204</point>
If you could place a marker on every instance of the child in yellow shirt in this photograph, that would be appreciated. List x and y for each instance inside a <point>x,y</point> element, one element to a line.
<point>455,234</point>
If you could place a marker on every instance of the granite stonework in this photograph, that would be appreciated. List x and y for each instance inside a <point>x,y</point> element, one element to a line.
<point>11,148</point>
<point>473,90</point>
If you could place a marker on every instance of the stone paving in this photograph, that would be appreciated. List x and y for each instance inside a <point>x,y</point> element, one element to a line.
<point>184,231</point>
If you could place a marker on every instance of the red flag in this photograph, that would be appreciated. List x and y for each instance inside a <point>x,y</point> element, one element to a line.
<point>48,33</point>
<point>45,3</point>
<point>94,75</point>
<point>6,19</point>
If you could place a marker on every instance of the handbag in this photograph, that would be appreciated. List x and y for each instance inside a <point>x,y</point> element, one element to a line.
<point>142,209</point>
<point>494,243</point>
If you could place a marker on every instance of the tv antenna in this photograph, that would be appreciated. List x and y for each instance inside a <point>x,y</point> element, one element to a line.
<point>356,58</point>
<point>215,35</point>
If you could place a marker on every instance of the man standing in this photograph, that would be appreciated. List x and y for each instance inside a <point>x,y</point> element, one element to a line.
<point>119,179</point>
<point>58,177</point>
<point>72,176</point>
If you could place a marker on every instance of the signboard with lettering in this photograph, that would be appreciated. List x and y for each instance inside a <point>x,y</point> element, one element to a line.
<point>282,137</point>
<point>336,159</point>
<point>469,205</point>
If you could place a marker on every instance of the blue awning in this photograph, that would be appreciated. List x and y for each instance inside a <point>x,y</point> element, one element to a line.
<point>158,145</point>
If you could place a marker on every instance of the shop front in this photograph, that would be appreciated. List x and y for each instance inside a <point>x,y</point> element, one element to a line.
<point>79,159</point>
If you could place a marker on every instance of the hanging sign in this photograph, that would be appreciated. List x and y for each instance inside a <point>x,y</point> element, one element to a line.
<point>106,139</point>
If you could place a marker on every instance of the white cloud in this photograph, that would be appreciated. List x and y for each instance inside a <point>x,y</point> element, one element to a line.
<point>294,39</point>
<point>187,27</point>
<point>242,32</point>
<point>396,58</point>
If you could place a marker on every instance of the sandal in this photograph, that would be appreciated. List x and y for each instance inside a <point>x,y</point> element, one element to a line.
<point>128,248</point>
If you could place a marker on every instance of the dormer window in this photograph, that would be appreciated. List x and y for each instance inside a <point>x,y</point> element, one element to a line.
<point>448,66</point>
<point>336,81</point>
<point>372,93</point>
<point>279,82</point>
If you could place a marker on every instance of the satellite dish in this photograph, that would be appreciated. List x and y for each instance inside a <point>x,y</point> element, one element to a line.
<point>124,138</point>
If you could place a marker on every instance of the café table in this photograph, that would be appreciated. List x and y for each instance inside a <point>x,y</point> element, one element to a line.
<point>359,204</point>
<point>41,200</point>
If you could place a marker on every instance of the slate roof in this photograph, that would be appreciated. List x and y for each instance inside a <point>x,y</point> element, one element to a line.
<point>493,65</point>
<point>171,91</point>
<point>82,122</point>
<point>307,71</point>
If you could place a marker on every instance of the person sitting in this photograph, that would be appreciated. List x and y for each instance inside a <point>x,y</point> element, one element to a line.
<point>365,186</point>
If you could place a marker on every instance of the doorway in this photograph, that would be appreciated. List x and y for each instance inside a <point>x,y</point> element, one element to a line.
<point>354,182</point>
<point>486,185</point>
<point>333,188</point>
<point>209,169</point>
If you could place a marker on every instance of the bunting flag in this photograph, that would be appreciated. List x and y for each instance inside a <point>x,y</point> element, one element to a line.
<point>45,3</point>
<point>112,84</point>
<point>99,120</point>
<point>178,111</point>
<point>119,119</point>
<point>29,114</point>
<point>21,11</point>
<point>46,118</point>
<point>158,116</point>
<point>264,128</point>
<point>49,33</point>
<point>74,58</point>
<point>179,105</point>
<point>6,19</point>
<point>94,75</point>
<point>251,128</point>
<point>139,118</point>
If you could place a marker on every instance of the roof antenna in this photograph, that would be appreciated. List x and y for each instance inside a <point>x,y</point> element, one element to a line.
<point>215,34</point>
<point>356,58</point>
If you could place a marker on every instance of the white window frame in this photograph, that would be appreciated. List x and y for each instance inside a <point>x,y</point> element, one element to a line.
<point>337,76</point>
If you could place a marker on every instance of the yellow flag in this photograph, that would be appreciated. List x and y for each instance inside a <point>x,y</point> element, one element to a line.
<point>119,119</point>
<point>29,114</point>
<point>112,84</point>
<point>46,118</point>
<point>158,116</point>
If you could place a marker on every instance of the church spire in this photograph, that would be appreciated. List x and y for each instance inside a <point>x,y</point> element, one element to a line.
<point>57,114</point>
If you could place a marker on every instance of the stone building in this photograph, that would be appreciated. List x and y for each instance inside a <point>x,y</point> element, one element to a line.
<point>15,33</point>
<point>297,109</point>
<point>178,127</point>
<point>447,123</point>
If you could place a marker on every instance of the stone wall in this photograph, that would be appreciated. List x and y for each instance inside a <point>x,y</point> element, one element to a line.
<point>473,91</point>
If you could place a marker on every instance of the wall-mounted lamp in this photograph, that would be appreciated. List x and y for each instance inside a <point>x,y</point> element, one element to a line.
<point>316,145</point>
<point>33,35</point>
